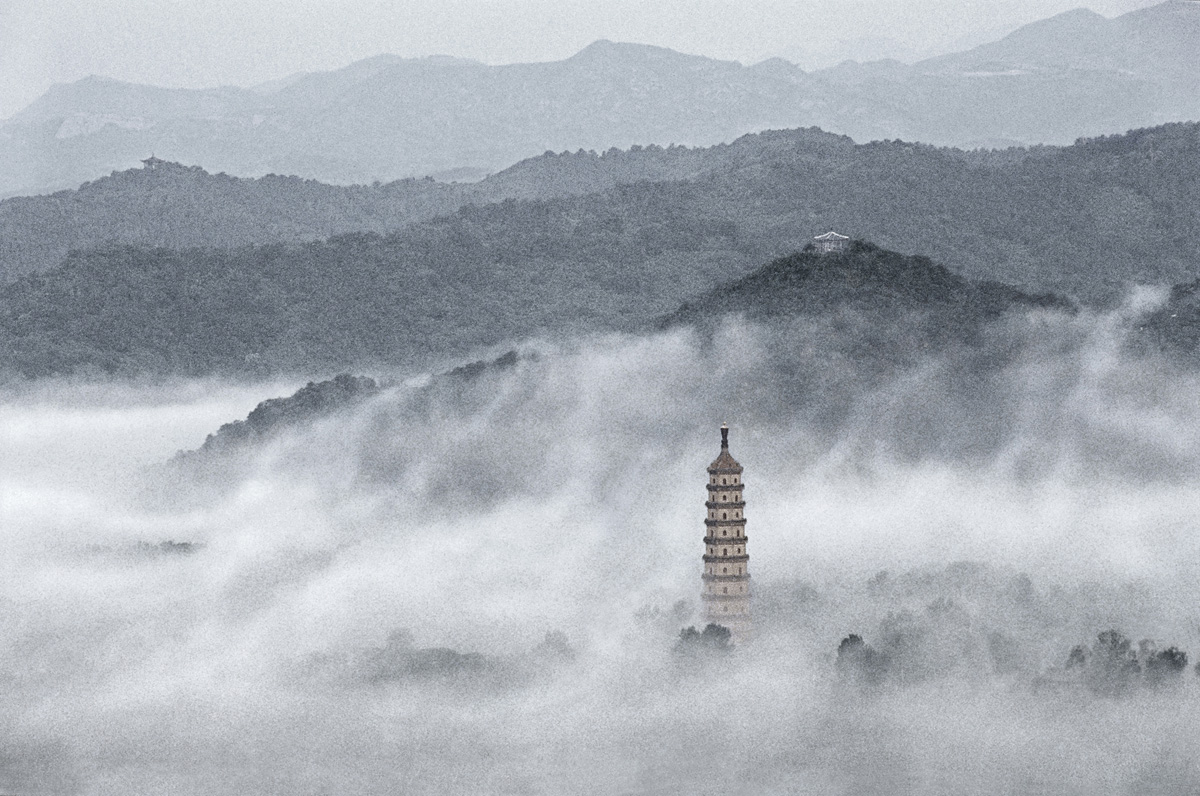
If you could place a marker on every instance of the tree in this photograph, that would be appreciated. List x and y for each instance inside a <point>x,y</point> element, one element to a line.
<point>1112,666</point>
<point>1165,666</point>
<point>860,661</point>
<point>714,639</point>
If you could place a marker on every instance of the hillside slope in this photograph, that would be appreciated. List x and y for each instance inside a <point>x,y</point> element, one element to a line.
<point>166,204</point>
<point>361,301</point>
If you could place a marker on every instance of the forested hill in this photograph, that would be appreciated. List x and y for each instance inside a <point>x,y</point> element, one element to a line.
<point>880,283</point>
<point>360,301</point>
<point>1085,220</point>
<point>275,415</point>
<point>175,206</point>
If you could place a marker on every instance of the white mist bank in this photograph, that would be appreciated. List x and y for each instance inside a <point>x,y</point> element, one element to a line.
<point>565,493</point>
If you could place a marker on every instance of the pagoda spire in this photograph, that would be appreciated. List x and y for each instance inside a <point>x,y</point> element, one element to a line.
<point>726,579</point>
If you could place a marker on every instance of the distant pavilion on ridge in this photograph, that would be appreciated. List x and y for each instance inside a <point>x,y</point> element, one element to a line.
<point>831,242</point>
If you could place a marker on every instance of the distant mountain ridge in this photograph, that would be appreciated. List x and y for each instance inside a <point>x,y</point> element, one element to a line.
<point>177,207</point>
<point>1156,42</point>
<point>387,118</point>
<point>174,206</point>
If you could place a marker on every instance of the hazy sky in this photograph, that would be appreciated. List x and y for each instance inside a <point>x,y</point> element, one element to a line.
<point>214,42</point>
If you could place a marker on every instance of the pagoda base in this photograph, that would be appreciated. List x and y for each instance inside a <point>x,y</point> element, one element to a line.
<point>731,613</point>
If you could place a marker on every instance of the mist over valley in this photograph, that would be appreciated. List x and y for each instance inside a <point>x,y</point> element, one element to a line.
<point>404,486</point>
<point>475,579</point>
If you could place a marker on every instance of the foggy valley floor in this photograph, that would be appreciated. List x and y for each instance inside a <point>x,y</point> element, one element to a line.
<point>395,483</point>
<point>475,582</point>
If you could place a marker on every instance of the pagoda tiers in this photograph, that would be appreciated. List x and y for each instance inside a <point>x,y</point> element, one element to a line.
<point>726,578</point>
<point>831,242</point>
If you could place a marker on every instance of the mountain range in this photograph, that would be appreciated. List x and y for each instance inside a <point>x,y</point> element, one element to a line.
<point>169,205</point>
<point>386,118</point>
<point>1087,220</point>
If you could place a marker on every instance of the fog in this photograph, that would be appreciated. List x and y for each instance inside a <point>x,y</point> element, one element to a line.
<point>982,511</point>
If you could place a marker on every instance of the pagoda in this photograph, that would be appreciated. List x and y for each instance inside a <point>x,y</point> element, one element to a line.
<point>726,592</point>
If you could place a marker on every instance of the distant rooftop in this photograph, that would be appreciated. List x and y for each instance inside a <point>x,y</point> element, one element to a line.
<point>831,242</point>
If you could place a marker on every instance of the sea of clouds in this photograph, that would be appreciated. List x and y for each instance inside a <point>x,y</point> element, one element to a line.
<point>982,511</point>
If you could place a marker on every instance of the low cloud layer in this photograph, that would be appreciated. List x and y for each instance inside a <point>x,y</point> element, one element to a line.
<point>983,510</point>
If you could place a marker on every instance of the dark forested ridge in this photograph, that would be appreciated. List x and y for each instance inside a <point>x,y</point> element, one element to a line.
<point>1085,221</point>
<point>869,309</point>
<point>175,206</point>
<point>365,300</point>
<point>274,415</point>
<point>352,301</point>
<point>316,400</point>
<point>384,118</point>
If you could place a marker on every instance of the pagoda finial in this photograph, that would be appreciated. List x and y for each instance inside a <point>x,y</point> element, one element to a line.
<point>724,435</point>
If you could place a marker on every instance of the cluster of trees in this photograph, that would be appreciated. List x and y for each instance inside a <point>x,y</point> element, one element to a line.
<point>713,639</point>
<point>913,647</point>
<point>859,660</point>
<point>1111,666</point>
<point>695,649</point>
<point>169,548</point>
